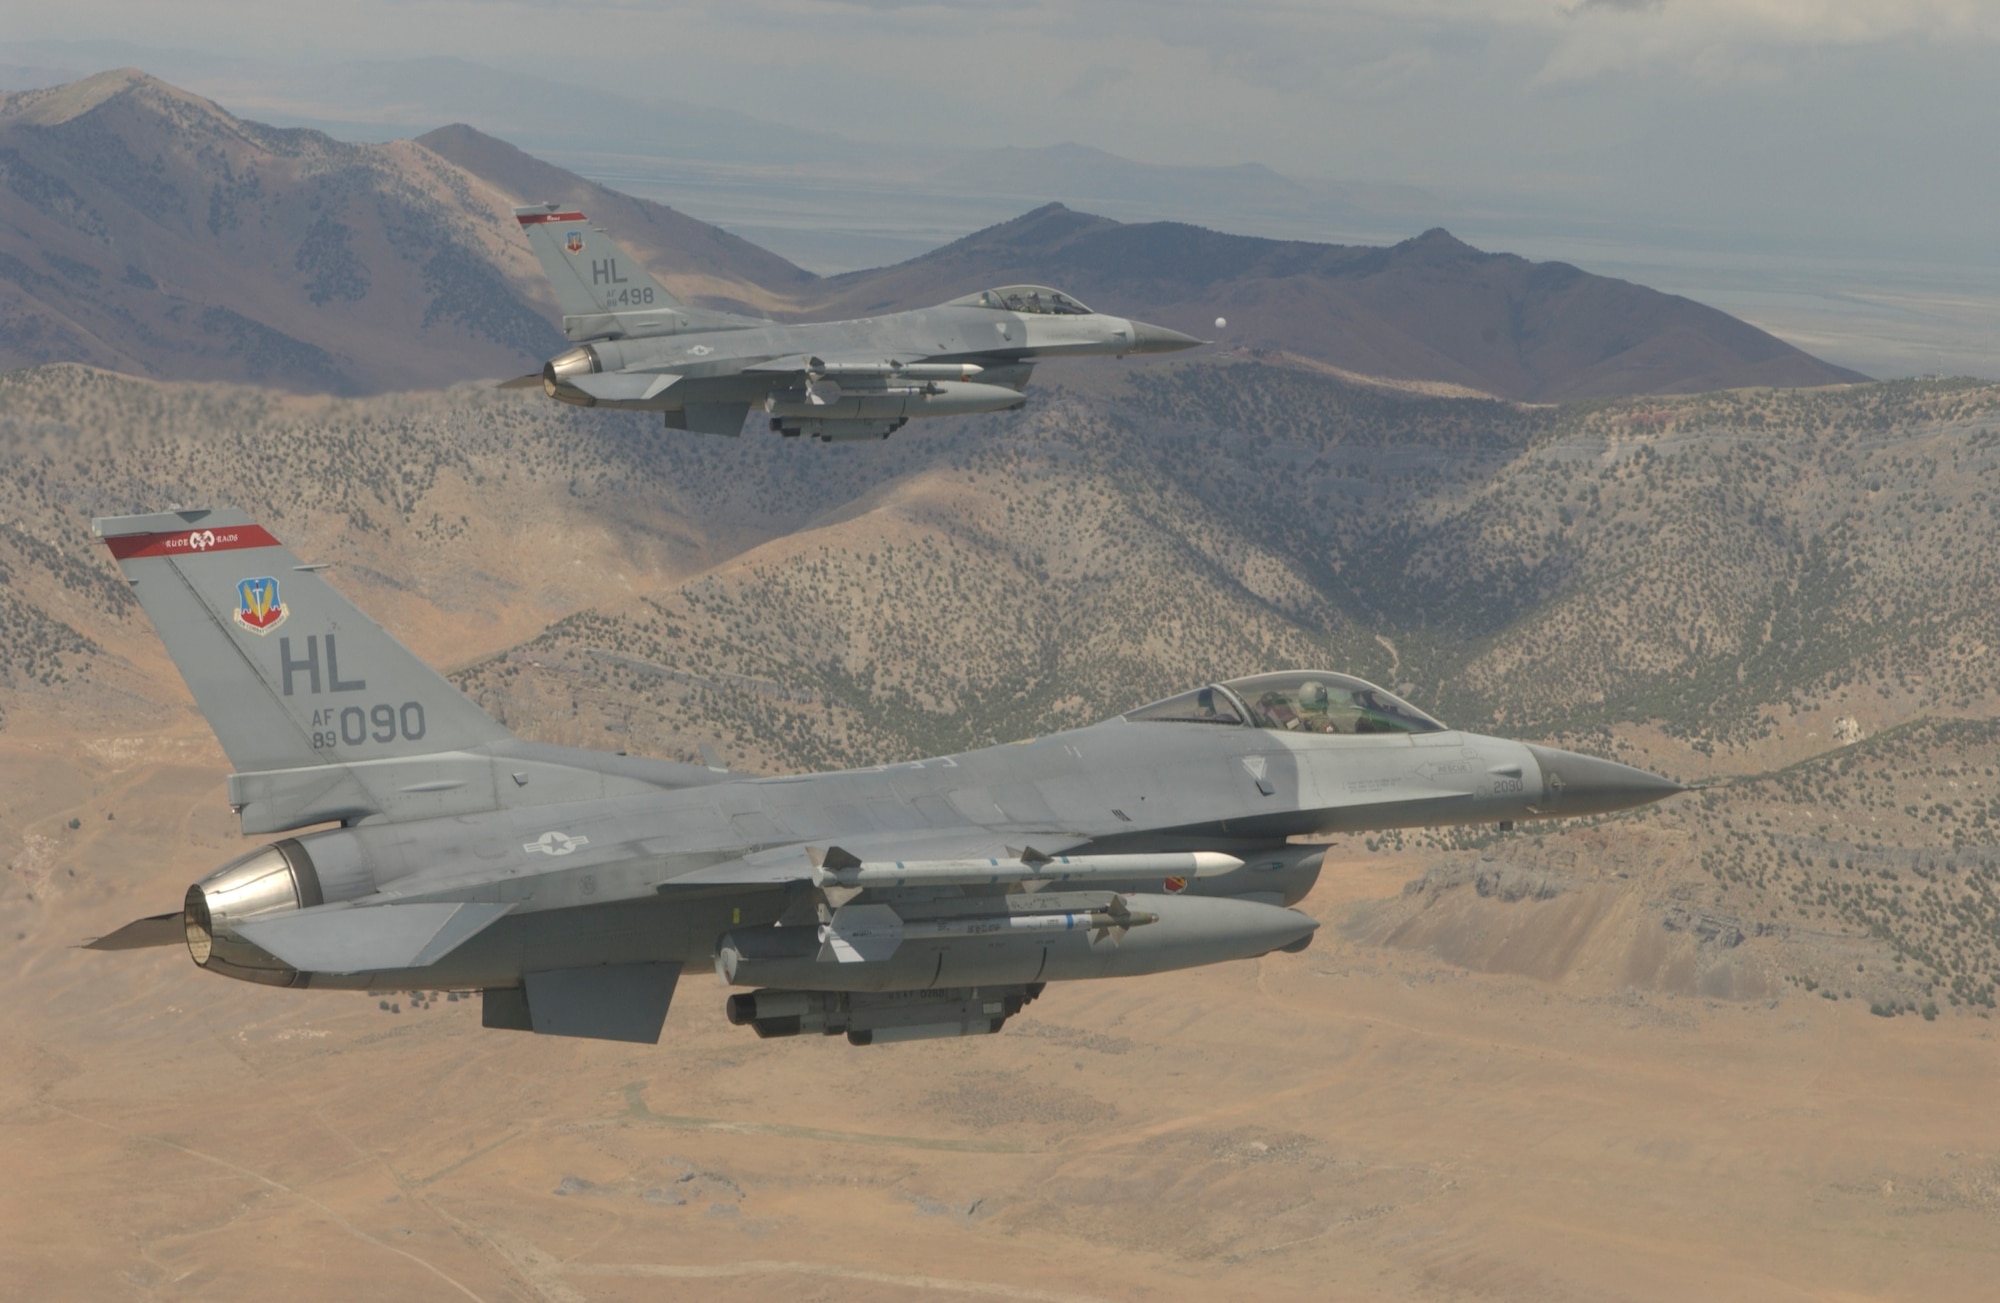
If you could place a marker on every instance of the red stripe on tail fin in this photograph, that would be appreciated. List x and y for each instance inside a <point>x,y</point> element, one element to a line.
<point>190,542</point>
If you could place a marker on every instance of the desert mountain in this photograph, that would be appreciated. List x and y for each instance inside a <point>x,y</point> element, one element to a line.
<point>1431,308</point>
<point>146,230</point>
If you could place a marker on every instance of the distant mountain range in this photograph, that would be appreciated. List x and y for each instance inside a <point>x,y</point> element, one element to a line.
<point>1431,308</point>
<point>146,230</point>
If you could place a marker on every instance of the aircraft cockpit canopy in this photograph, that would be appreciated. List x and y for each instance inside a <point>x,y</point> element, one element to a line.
<point>1297,701</point>
<point>1038,300</point>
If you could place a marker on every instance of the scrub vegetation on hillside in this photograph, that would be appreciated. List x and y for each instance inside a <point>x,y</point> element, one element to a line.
<point>1729,584</point>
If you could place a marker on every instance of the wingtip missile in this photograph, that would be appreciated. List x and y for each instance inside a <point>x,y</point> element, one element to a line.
<point>838,868</point>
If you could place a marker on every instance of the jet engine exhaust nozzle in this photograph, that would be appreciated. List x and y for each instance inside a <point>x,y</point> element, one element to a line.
<point>269,880</point>
<point>557,372</point>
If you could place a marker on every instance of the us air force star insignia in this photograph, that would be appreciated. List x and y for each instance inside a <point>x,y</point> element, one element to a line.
<point>554,843</point>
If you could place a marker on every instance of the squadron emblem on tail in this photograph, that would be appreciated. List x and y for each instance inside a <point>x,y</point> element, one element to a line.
<point>257,606</point>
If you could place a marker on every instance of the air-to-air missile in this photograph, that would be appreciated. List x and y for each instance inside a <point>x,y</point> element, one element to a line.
<point>637,348</point>
<point>929,898</point>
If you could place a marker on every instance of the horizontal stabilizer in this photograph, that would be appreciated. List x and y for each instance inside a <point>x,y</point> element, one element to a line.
<point>140,934</point>
<point>373,938</point>
<point>623,386</point>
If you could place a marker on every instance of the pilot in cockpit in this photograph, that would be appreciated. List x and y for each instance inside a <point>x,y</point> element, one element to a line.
<point>1314,707</point>
<point>1307,709</point>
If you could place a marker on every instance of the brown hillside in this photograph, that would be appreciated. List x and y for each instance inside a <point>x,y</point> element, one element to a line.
<point>146,230</point>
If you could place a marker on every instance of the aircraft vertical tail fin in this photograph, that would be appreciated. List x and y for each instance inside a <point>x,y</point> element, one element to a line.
<point>604,293</point>
<point>288,672</point>
<point>591,274</point>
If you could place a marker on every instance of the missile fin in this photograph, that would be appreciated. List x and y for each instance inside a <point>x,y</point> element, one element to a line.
<point>859,934</point>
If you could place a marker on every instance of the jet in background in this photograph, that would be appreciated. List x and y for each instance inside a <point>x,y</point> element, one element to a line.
<point>925,899</point>
<point>640,349</point>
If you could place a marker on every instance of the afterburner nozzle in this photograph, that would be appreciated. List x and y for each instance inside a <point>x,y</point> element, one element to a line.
<point>559,371</point>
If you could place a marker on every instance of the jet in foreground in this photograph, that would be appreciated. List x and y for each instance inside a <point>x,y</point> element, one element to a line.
<point>640,349</point>
<point>925,899</point>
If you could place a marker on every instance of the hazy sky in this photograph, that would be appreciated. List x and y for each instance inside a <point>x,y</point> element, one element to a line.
<point>1829,169</point>
<point>1862,122</point>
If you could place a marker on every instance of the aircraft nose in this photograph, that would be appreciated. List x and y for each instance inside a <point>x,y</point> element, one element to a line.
<point>1158,339</point>
<point>1574,784</point>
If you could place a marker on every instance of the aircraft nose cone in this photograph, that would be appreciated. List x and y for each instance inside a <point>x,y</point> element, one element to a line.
<point>1574,784</point>
<point>1158,339</point>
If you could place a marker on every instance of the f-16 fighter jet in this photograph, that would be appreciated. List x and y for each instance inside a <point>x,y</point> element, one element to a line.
<point>930,898</point>
<point>640,349</point>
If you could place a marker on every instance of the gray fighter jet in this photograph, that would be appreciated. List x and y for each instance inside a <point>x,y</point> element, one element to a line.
<point>929,898</point>
<point>640,349</point>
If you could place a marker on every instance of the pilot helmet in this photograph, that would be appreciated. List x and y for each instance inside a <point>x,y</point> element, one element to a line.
<point>1313,696</point>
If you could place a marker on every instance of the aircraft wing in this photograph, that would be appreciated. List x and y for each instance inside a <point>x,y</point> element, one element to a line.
<point>777,865</point>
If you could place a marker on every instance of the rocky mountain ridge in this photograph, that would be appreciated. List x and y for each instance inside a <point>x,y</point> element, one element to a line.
<point>145,230</point>
<point>1431,308</point>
